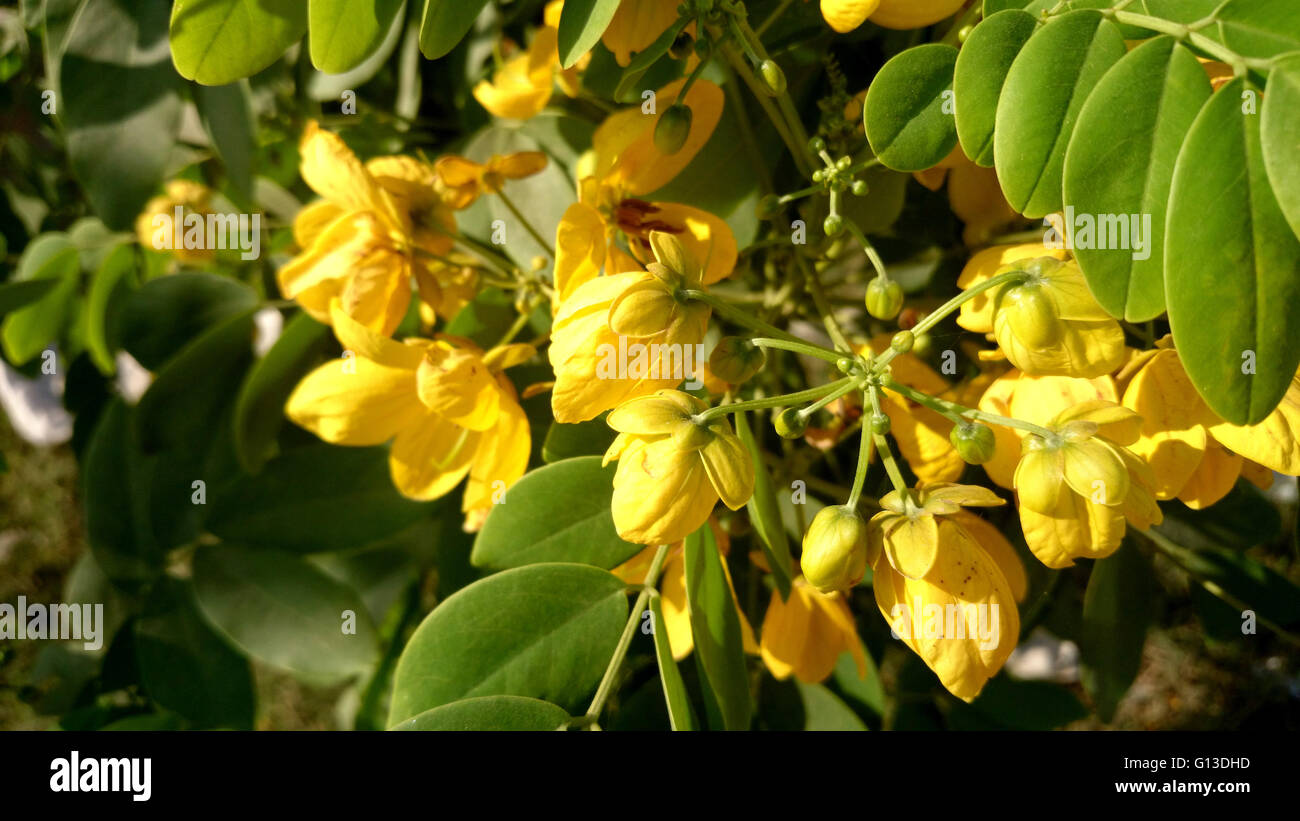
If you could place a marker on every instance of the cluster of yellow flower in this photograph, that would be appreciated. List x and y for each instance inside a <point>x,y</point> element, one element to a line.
<point>1088,433</point>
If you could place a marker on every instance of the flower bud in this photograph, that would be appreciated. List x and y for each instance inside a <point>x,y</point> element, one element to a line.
<point>845,365</point>
<point>833,225</point>
<point>880,424</point>
<point>1031,316</point>
<point>817,145</point>
<point>860,188</point>
<point>673,128</point>
<point>773,77</point>
<point>736,360</point>
<point>903,341</point>
<point>683,47</point>
<point>974,442</point>
<point>884,298</point>
<point>790,424</point>
<point>834,549</point>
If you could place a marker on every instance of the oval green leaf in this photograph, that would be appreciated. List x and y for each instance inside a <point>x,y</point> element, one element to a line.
<point>284,612</point>
<point>1044,92</point>
<point>531,525</point>
<point>764,512</point>
<point>490,713</point>
<point>981,70</point>
<point>545,631</point>
<point>1280,135</point>
<point>1232,264</point>
<point>444,23</point>
<point>165,313</point>
<point>680,715</point>
<point>343,33</point>
<point>215,42</point>
<point>27,330</point>
<point>581,24</point>
<point>909,108</point>
<point>1118,171</point>
<point>1117,608</point>
<point>716,628</point>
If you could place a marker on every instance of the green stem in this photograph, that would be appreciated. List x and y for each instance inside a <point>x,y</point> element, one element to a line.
<point>624,641</point>
<point>828,398</point>
<point>747,135</point>
<point>742,69</point>
<point>528,226</point>
<point>1190,34</point>
<point>806,348</point>
<point>784,400</point>
<point>736,315</point>
<point>824,308</point>
<point>870,250</point>
<point>865,447</point>
<point>961,413</point>
<point>772,18</point>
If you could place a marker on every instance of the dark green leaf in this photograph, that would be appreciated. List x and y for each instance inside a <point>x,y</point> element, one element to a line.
<point>215,42</point>
<point>1243,519</point>
<point>108,291</point>
<point>680,714</point>
<point>490,713</point>
<point>581,24</point>
<point>558,513</point>
<point>716,627</point>
<point>590,438</point>
<point>824,711</point>
<point>1117,608</point>
<point>1232,267</point>
<point>1028,705</point>
<point>1040,103</point>
<point>27,330</point>
<point>546,631</point>
<point>15,295</point>
<point>283,611</point>
<point>164,314</point>
<point>227,114</point>
<point>1119,168</point>
<point>1280,136</point>
<point>444,23</point>
<point>765,514</point>
<point>981,70</point>
<point>1241,581</point>
<point>315,499</point>
<point>909,108</point>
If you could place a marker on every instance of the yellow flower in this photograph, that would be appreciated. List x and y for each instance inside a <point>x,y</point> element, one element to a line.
<point>463,181</point>
<point>155,227</point>
<point>942,582</point>
<point>1184,441</point>
<point>1079,485</point>
<point>447,407</point>
<point>365,241</point>
<point>626,167</point>
<point>521,88</point>
<point>846,15</point>
<point>672,592</point>
<point>671,470</point>
<point>1047,324</point>
<point>636,25</point>
<point>804,635</point>
<point>627,335</point>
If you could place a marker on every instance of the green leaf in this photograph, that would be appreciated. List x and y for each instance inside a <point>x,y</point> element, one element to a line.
<point>1243,519</point>
<point>1028,705</point>
<point>314,499</point>
<point>866,693</point>
<point>1280,136</point>
<point>1257,28</point>
<point>259,409</point>
<point>284,612</point>
<point>1044,92</point>
<point>15,295</point>
<point>716,628</point>
<point>444,23</point>
<point>909,110</point>
<point>27,330</point>
<point>344,32</point>
<point>1119,168</point>
<point>680,714</point>
<point>824,711</point>
<point>188,397</point>
<point>557,513</point>
<point>227,115</point>
<point>1232,268</point>
<point>120,104</point>
<point>546,631</point>
<point>1242,581</point>
<point>581,24</point>
<point>590,438</point>
<point>164,314</point>
<point>108,290</point>
<point>215,42</point>
<point>541,198</point>
<point>981,70</point>
<point>490,713</point>
<point>188,668</point>
<point>765,513</point>
<point>1117,608</point>
<point>624,85</point>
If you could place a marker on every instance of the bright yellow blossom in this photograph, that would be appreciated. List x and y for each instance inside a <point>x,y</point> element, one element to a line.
<point>804,635</point>
<point>368,238</point>
<point>846,15</point>
<point>1049,323</point>
<point>522,87</point>
<point>1079,485</point>
<point>943,588</point>
<point>636,25</point>
<point>632,319</point>
<point>672,470</point>
<point>155,227</point>
<point>626,167</point>
<point>465,180</point>
<point>1194,455</point>
<point>447,407</point>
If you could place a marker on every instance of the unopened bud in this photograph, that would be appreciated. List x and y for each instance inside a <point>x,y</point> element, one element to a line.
<point>736,360</point>
<point>860,188</point>
<point>833,225</point>
<point>683,47</point>
<point>773,77</point>
<point>673,128</point>
<point>1031,315</point>
<point>903,341</point>
<point>974,442</point>
<point>835,549</point>
<point>880,424</point>
<point>790,424</point>
<point>884,298</point>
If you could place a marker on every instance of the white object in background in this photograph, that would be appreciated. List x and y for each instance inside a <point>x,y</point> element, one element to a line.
<point>268,323</point>
<point>132,378</point>
<point>35,406</point>
<point>1044,657</point>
